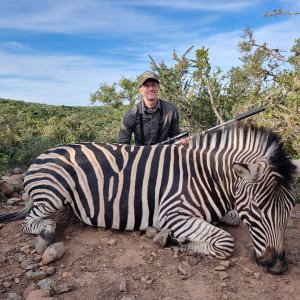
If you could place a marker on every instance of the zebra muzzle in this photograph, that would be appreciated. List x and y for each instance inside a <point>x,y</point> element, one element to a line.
<point>271,262</point>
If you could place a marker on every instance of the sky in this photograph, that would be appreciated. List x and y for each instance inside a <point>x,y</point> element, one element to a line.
<point>59,52</point>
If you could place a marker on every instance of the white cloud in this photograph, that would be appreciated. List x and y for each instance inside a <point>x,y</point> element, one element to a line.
<point>60,80</point>
<point>50,76</point>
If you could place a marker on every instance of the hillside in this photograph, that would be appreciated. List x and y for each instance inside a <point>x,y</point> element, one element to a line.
<point>27,129</point>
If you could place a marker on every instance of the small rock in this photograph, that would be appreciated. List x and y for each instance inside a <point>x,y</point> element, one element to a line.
<point>46,284</point>
<point>224,285</point>
<point>223,275</point>
<point>50,270</point>
<point>151,232</point>
<point>112,242</point>
<point>38,294</point>
<point>181,268</point>
<point>123,286</point>
<point>248,271</point>
<point>225,263</point>
<point>12,296</point>
<point>33,251</point>
<point>29,289</point>
<point>162,237</point>
<point>153,254</point>
<point>176,253</point>
<point>25,249</point>
<point>17,280</point>
<point>37,258</point>
<point>64,288</point>
<point>67,274</point>
<point>41,245</point>
<point>53,252</point>
<point>31,243</point>
<point>38,275</point>
<point>256,275</point>
<point>220,268</point>
<point>6,284</point>
<point>29,274</point>
<point>104,240</point>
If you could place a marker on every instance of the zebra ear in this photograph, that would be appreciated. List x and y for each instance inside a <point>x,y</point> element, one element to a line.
<point>247,171</point>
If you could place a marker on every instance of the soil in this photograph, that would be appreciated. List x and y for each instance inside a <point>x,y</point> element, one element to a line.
<point>106,264</point>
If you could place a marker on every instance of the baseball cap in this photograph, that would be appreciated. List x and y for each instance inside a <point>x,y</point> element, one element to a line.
<point>145,76</point>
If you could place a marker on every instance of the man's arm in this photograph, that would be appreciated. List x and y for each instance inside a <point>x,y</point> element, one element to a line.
<point>174,128</point>
<point>127,128</point>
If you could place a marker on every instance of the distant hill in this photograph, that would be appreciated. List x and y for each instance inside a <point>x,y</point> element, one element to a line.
<point>27,129</point>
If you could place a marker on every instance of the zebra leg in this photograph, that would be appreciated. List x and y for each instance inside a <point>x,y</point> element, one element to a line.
<point>196,236</point>
<point>231,218</point>
<point>35,223</point>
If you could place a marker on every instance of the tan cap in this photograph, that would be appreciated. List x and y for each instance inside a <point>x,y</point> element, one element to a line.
<point>147,75</point>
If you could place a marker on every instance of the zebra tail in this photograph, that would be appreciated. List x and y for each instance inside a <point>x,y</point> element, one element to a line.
<point>17,215</point>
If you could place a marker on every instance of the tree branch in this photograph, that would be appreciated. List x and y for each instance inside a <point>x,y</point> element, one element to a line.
<point>272,52</point>
<point>277,12</point>
<point>212,101</point>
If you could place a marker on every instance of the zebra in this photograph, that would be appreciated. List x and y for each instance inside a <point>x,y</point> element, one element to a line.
<point>240,172</point>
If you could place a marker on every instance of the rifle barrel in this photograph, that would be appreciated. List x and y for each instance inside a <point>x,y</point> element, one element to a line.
<point>238,118</point>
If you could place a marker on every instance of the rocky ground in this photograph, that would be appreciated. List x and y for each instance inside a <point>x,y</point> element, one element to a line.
<point>106,264</point>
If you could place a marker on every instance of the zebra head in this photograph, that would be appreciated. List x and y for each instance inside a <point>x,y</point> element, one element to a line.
<point>264,199</point>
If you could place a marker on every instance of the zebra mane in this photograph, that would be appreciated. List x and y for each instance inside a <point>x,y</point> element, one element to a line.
<point>263,142</point>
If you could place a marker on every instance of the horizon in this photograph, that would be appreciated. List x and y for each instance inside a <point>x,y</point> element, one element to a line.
<point>59,53</point>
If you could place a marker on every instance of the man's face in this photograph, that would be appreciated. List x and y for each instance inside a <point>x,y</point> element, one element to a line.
<point>150,90</point>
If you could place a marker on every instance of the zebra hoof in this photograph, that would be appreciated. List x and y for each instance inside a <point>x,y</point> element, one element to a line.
<point>44,240</point>
<point>41,245</point>
<point>162,237</point>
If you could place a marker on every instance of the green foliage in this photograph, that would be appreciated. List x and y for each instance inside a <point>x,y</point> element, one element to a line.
<point>27,129</point>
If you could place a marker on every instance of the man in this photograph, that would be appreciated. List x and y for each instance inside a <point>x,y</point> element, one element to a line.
<point>152,120</point>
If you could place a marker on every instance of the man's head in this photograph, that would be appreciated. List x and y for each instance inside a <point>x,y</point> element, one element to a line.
<point>147,76</point>
<point>149,88</point>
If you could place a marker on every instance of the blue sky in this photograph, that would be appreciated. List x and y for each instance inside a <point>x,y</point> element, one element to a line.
<point>59,52</point>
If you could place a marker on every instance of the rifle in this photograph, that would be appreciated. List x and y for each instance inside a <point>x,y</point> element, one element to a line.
<point>174,138</point>
<point>237,118</point>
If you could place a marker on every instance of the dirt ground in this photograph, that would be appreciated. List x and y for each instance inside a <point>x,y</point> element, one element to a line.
<point>105,264</point>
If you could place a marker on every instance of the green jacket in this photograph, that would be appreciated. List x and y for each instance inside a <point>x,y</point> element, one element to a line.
<point>149,128</point>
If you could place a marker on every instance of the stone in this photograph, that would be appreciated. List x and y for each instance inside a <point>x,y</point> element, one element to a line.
<point>151,232</point>
<point>182,269</point>
<point>225,263</point>
<point>46,284</point>
<point>53,252</point>
<point>162,237</point>
<point>12,296</point>
<point>64,288</point>
<point>38,275</point>
<point>50,270</point>
<point>67,274</point>
<point>38,294</point>
<point>220,268</point>
<point>29,289</point>
<point>123,286</point>
<point>111,242</point>
<point>223,275</point>
<point>6,188</point>
<point>6,284</point>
